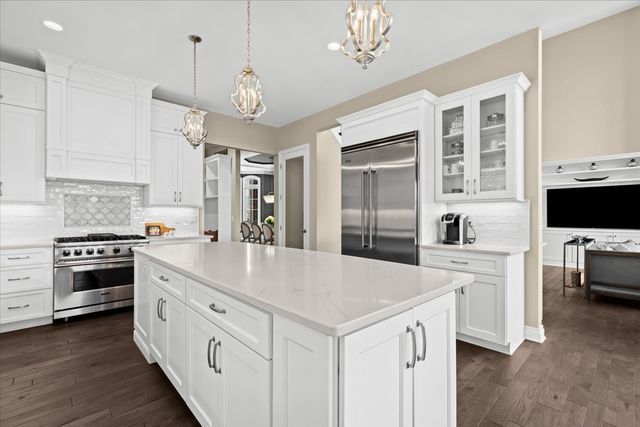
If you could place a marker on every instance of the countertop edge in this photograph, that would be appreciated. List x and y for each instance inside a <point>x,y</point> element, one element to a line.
<point>498,250</point>
<point>333,331</point>
<point>26,244</point>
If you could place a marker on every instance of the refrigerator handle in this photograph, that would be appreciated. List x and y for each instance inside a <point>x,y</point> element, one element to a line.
<point>373,214</point>
<point>362,209</point>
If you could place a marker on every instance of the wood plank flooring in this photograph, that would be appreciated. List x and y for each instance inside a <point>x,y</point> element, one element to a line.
<point>89,372</point>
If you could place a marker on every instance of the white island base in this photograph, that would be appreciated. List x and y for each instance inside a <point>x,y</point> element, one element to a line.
<point>254,335</point>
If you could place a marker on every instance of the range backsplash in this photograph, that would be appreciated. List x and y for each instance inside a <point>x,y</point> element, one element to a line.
<point>30,221</point>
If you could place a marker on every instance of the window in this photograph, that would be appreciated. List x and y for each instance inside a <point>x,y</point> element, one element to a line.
<point>251,193</point>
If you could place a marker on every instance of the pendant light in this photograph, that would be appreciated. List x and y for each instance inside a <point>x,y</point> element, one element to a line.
<point>193,128</point>
<point>248,95</point>
<point>367,30</point>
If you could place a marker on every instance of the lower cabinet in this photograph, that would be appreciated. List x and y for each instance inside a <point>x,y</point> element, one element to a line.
<point>482,312</point>
<point>227,383</point>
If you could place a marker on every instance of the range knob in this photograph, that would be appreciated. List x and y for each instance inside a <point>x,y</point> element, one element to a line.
<point>89,251</point>
<point>100,251</point>
<point>131,249</point>
<point>66,252</point>
<point>116,250</point>
<point>77,252</point>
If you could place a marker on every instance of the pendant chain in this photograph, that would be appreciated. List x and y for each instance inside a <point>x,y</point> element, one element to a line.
<point>194,74</point>
<point>248,33</point>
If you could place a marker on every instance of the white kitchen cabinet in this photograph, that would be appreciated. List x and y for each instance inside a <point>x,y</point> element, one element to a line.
<point>217,195</point>
<point>166,335</point>
<point>176,167</point>
<point>480,142</point>
<point>490,309</point>
<point>166,117</point>
<point>22,87</point>
<point>225,378</point>
<point>141,312</point>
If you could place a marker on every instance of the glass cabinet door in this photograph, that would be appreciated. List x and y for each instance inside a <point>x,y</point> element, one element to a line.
<point>493,160</point>
<point>453,151</point>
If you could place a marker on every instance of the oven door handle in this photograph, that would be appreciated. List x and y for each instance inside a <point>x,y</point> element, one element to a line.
<point>94,262</point>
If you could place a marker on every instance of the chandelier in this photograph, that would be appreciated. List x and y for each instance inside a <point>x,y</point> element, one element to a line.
<point>193,128</point>
<point>366,31</point>
<point>248,95</point>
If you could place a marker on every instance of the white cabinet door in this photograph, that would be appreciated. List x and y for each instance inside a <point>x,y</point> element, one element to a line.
<point>434,376</point>
<point>377,386</point>
<point>453,150</point>
<point>22,90</point>
<point>174,314</point>
<point>164,170</point>
<point>164,118</point>
<point>157,330</point>
<point>22,154</point>
<point>482,309</point>
<point>190,173</point>
<point>203,390</point>
<point>141,299</point>
<point>246,379</point>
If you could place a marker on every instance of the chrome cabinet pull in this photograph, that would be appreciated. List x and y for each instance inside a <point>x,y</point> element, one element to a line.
<point>105,293</point>
<point>213,307</point>
<point>475,186</point>
<point>215,353</point>
<point>423,356</point>
<point>412,364</point>
<point>212,340</point>
<point>162,313</point>
<point>16,307</point>
<point>15,279</point>
<point>15,258</point>
<point>158,308</point>
<point>466,187</point>
<point>175,196</point>
<point>462,290</point>
<point>180,196</point>
<point>164,279</point>
<point>459,262</point>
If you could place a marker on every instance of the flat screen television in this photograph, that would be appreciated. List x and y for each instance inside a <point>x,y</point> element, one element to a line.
<point>610,207</point>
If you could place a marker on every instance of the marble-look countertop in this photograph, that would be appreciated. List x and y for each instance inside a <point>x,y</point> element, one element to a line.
<point>333,294</point>
<point>25,244</point>
<point>479,248</point>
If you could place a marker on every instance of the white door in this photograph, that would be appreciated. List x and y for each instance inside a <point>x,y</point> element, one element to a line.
<point>377,386</point>
<point>190,173</point>
<point>293,154</point>
<point>482,309</point>
<point>174,313</point>
<point>453,150</point>
<point>246,379</point>
<point>494,144</point>
<point>164,169</point>
<point>21,154</point>
<point>203,391</point>
<point>434,377</point>
<point>157,330</point>
<point>141,299</point>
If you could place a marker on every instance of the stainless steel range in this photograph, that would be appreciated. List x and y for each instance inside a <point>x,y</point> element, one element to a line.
<point>93,273</point>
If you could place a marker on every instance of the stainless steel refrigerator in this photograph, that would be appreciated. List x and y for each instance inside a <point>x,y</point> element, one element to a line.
<point>380,199</point>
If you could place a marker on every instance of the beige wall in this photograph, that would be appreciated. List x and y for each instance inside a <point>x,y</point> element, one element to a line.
<point>592,88</point>
<point>328,201</point>
<point>233,132</point>
<point>519,53</point>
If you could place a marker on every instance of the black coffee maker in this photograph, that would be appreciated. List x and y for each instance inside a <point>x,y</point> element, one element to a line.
<point>454,228</point>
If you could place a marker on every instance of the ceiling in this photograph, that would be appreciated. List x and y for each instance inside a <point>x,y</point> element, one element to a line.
<point>148,39</point>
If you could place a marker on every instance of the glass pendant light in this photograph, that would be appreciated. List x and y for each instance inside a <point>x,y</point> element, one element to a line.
<point>367,30</point>
<point>248,95</point>
<point>193,128</point>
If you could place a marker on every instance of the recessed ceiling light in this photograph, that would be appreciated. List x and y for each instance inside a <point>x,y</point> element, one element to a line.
<point>52,25</point>
<point>333,46</point>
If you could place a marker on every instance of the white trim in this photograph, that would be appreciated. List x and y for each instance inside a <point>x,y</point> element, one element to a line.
<point>246,185</point>
<point>24,324</point>
<point>518,79</point>
<point>142,346</point>
<point>22,70</point>
<point>283,156</point>
<point>389,105</point>
<point>509,348</point>
<point>531,333</point>
<point>591,159</point>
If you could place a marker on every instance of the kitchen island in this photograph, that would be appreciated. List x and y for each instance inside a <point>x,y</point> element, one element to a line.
<point>254,335</point>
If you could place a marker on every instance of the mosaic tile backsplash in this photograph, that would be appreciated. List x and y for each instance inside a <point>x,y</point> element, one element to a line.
<point>30,221</point>
<point>83,210</point>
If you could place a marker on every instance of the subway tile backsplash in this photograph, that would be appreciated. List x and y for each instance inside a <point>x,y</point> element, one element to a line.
<point>74,208</point>
<point>497,223</point>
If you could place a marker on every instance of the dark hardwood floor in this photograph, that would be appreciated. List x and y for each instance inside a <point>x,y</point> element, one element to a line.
<point>89,372</point>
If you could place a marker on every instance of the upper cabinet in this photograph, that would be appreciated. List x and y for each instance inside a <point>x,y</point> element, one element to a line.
<point>176,167</point>
<point>22,134</point>
<point>98,123</point>
<point>480,142</point>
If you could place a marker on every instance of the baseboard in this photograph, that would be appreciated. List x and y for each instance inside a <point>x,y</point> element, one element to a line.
<point>142,346</point>
<point>506,349</point>
<point>534,334</point>
<point>31,323</point>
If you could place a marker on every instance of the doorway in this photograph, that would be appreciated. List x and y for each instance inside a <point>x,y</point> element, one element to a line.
<point>293,184</point>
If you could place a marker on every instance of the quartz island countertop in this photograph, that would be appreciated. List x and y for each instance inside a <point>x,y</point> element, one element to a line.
<point>333,294</point>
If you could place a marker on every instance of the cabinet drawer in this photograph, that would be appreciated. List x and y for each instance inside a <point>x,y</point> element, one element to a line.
<point>26,278</point>
<point>26,305</point>
<point>247,324</point>
<point>16,257</point>
<point>467,262</point>
<point>22,90</point>
<point>171,282</point>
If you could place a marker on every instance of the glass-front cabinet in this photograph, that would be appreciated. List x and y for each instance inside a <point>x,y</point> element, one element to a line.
<point>479,142</point>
